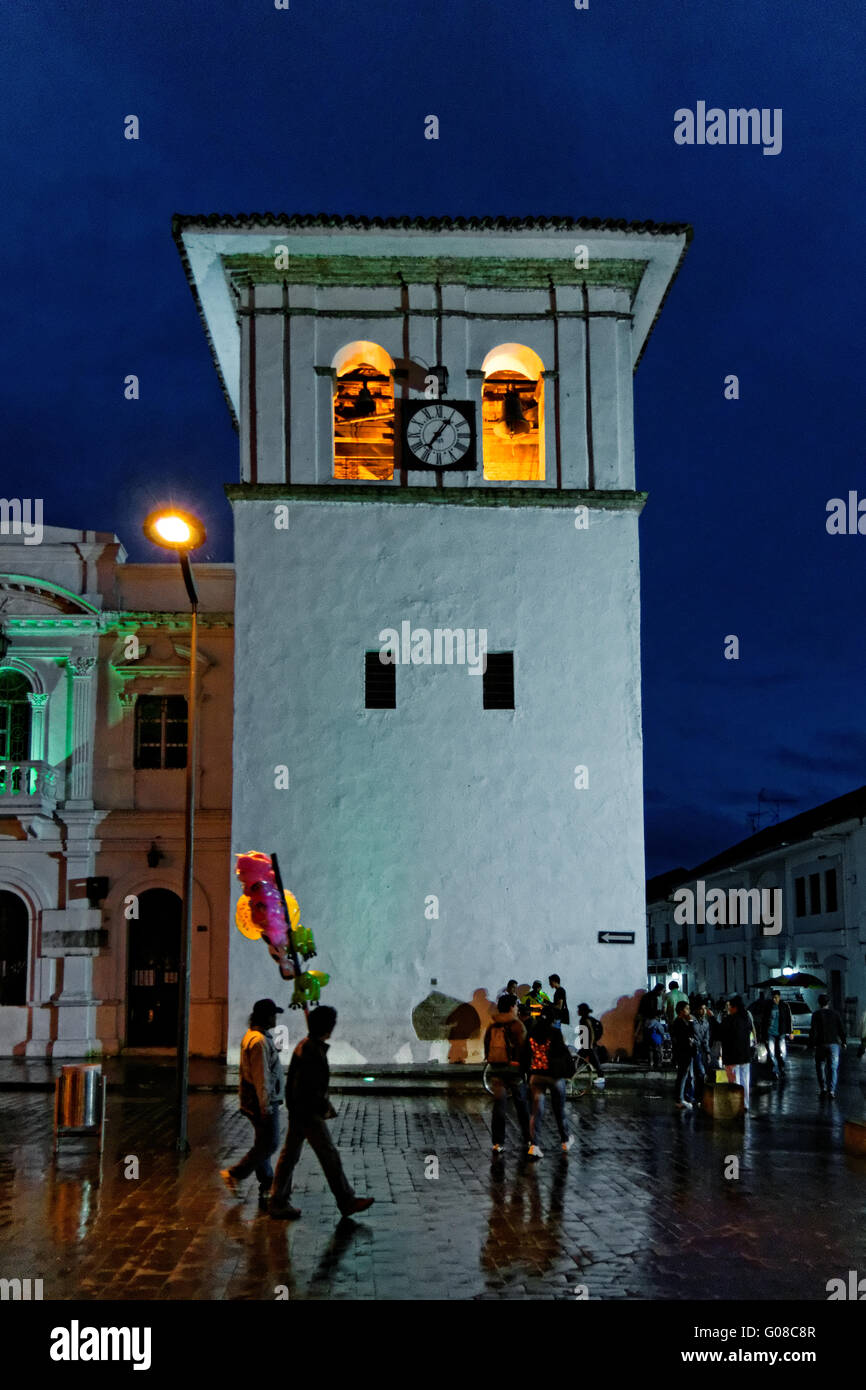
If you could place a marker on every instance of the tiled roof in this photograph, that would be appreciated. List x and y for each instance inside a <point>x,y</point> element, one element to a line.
<point>851,806</point>
<point>181,221</point>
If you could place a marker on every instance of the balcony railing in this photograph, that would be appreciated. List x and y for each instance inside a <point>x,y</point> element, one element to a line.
<point>26,785</point>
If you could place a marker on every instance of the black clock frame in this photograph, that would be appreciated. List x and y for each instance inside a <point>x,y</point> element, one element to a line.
<point>467,463</point>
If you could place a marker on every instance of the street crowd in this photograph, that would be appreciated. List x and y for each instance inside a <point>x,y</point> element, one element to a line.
<point>707,1037</point>
<point>527,1060</point>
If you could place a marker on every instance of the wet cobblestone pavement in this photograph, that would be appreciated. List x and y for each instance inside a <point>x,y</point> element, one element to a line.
<point>640,1209</point>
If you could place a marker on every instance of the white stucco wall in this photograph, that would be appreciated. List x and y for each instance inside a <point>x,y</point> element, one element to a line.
<point>439,796</point>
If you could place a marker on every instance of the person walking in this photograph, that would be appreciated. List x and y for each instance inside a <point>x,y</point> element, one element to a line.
<point>561,1015</point>
<point>735,1034</point>
<point>260,1092</point>
<point>549,1064</point>
<point>774,1025</point>
<point>672,998</point>
<point>309,1109</point>
<point>827,1036</point>
<point>589,1032</point>
<point>504,1042</point>
<point>684,1048</point>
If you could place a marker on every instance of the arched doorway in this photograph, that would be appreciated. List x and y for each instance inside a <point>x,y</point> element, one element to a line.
<point>152,970</point>
<point>14,933</point>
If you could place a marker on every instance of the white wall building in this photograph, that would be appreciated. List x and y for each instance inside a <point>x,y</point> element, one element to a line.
<point>93,688</point>
<point>818,861</point>
<point>432,829</point>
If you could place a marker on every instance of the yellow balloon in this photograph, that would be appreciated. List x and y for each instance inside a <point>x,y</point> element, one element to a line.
<point>244,921</point>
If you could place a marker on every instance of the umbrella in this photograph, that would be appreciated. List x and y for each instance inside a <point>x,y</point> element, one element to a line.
<point>799,980</point>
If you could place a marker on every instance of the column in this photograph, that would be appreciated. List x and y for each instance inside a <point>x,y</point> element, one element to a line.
<point>83,714</point>
<point>38,703</point>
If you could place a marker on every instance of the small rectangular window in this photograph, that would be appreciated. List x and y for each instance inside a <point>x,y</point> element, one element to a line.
<point>814,894</point>
<point>160,731</point>
<point>380,682</point>
<point>800,897</point>
<point>830,894</point>
<point>498,681</point>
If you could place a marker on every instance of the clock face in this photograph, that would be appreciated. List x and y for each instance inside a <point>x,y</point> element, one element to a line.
<point>440,434</point>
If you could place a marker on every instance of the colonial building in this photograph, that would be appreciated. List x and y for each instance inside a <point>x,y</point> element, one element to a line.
<point>94,660</point>
<point>437,459</point>
<point>816,862</point>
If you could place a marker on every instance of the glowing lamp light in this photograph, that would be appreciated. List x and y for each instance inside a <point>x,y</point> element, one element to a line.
<point>174,529</point>
<point>788,970</point>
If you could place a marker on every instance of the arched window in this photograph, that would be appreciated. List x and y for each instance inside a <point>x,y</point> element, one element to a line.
<point>14,924</point>
<point>513,413</point>
<point>363,412</point>
<point>14,716</point>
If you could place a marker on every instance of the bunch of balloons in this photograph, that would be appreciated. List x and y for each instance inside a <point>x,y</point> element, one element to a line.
<point>260,913</point>
<point>260,916</point>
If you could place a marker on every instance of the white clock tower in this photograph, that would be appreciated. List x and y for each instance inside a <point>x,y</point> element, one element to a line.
<point>437,469</point>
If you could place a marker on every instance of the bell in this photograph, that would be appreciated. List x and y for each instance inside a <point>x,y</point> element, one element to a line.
<point>512,421</point>
<point>363,405</point>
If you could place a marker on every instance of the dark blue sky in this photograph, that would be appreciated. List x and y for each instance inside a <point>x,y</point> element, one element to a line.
<point>543,109</point>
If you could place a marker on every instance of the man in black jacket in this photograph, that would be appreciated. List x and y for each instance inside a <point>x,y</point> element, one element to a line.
<point>735,1033</point>
<point>827,1035</point>
<point>684,1047</point>
<point>309,1108</point>
<point>774,1025</point>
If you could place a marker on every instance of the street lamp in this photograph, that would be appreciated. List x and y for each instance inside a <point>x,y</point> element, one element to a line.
<point>182,532</point>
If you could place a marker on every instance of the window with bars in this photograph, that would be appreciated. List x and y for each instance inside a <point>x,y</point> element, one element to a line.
<point>380,682</point>
<point>160,731</point>
<point>831,898</point>
<point>14,716</point>
<point>498,681</point>
<point>814,894</point>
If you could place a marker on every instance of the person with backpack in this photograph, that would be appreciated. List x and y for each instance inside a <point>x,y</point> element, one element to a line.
<point>504,1042</point>
<point>589,1031</point>
<point>549,1064</point>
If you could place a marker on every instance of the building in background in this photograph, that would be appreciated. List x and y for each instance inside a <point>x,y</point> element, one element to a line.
<point>818,861</point>
<point>93,726</point>
<point>436,433</point>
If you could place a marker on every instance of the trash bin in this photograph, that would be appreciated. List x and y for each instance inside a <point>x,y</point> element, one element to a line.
<point>79,1102</point>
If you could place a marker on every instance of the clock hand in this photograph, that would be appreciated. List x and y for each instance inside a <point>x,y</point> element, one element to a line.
<point>440,430</point>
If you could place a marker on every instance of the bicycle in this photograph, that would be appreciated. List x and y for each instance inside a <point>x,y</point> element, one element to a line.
<point>586,1077</point>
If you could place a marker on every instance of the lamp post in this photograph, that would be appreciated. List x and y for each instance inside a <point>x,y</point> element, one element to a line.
<point>182,532</point>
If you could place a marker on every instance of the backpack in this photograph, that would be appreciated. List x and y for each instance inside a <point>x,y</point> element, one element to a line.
<point>500,1048</point>
<point>540,1055</point>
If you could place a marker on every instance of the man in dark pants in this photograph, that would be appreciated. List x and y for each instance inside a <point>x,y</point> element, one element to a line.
<point>684,1048</point>
<point>261,1084</point>
<point>827,1035</point>
<point>774,1025</point>
<point>309,1109</point>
